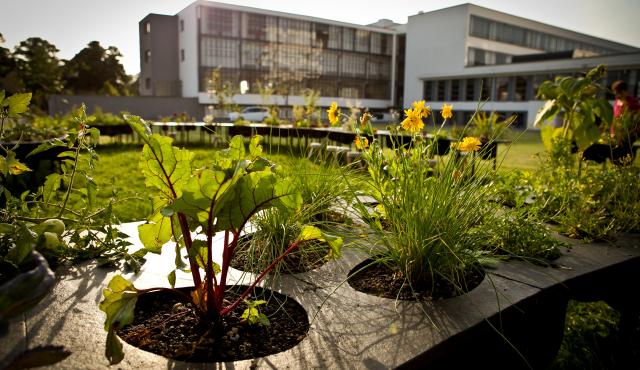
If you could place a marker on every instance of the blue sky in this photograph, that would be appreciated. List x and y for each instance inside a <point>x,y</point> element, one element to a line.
<point>72,24</point>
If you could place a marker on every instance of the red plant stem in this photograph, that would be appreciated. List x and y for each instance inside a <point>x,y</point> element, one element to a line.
<point>210,274</point>
<point>186,234</point>
<point>184,225</point>
<point>227,253</point>
<point>244,295</point>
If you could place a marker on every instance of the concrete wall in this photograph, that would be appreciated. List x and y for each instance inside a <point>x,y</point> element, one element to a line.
<point>148,107</point>
<point>188,41</point>
<point>436,41</point>
<point>162,42</point>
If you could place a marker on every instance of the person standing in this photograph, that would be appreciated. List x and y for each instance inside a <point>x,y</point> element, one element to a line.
<point>626,119</point>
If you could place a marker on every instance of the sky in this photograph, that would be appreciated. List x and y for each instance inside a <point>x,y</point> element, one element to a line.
<point>71,24</point>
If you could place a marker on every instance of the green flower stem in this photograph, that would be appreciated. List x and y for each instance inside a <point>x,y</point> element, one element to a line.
<point>73,175</point>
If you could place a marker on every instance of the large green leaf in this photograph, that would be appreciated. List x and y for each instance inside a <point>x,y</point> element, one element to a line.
<point>199,192</point>
<point>585,132</point>
<point>546,134</point>
<point>156,232</point>
<point>119,301</point>
<point>165,167</point>
<point>251,193</point>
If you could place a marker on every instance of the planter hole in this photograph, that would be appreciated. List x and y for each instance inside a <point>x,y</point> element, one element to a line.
<point>167,326</point>
<point>382,281</point>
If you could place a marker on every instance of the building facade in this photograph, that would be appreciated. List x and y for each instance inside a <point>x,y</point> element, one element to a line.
<point>487,58</point>
<point>496,61</point>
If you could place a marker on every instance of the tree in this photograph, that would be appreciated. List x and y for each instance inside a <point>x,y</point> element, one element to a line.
<point>9,79</point>
<point>39,69</point>
<point>96,70</point>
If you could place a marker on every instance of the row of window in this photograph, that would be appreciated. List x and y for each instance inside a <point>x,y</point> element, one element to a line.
<point>352,88</point>
<point>250,26</point>
<point>509,88</point>
<point>231,53</point>
<point>510,34</point>
<point>480,57</point>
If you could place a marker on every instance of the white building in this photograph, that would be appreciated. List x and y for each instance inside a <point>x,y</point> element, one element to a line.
<point>462,55</point>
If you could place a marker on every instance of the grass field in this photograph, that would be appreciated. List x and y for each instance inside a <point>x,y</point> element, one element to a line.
<point>117,170</point>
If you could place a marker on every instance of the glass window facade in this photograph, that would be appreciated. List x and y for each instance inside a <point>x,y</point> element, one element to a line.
<point>498,31</point>
<point>339,61</point>
<point>480,57</point>
<point>511,88</point>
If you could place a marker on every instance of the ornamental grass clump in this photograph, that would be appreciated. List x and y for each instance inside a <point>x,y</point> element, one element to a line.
<point>424,222</point>
<point>191,206</point>
<point>322,189</point>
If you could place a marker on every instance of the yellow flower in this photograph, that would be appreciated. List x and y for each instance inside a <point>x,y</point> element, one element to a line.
<point>469,144</point>
<point>419,106</point>
<point>334,114</point>
<point>413,122</point>
<point>361,143</point>
<point>447,111</point>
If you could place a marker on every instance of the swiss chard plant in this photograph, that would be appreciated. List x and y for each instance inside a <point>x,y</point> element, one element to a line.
<point>191,206</point>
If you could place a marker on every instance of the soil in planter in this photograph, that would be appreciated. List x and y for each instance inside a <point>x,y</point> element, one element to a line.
<point>166,326</point>
<point>382,281</point>
<point>309,256</point>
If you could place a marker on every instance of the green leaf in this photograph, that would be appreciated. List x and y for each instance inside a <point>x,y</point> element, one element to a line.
<point>198,193</point>
<point>252,315</point>
<point>18,104</point>
<point>25,241</point>
<point>547,134</point>
<point>165,167</point>
<point>51,186</point>
<point>251,193</point>
<point>119,301</point>
<point>139,126</point>
<point>13,166</point>
<point>172,278</point>
<point>255,149</point>
<point>199,252</point>
<point>236,151</point>
<point>113,351</point>
<point>313,233</point>
<point>585,134</point>
<point>155,233</point>
<point>53,143</point>
<point>309,233</point>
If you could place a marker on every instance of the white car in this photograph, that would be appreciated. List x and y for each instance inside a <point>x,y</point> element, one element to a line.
<point>253,114</point>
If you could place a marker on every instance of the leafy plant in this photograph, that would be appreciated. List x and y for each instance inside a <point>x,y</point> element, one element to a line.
<point>488,127</point>
<point>518,233</point>
<point>202,201</point>
<point>581,103</point>
<point>591,202</point>
<point>42,224</point>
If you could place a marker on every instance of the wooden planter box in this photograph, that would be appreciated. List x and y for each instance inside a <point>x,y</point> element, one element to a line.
<point>353,330</point>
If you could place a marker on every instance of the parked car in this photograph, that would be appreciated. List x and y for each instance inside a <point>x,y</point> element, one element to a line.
<point>253,114</point>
